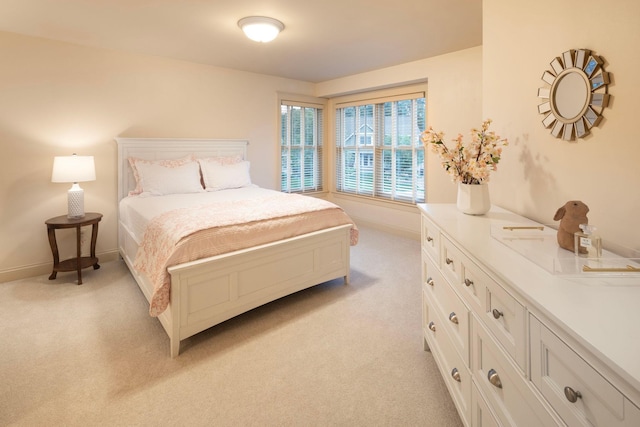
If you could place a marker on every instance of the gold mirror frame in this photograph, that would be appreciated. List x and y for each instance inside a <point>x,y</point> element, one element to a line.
<point>576,95</point>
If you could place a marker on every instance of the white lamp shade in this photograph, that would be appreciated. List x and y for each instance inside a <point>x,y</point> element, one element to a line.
<point>260,28</point>
<point>73,169</point>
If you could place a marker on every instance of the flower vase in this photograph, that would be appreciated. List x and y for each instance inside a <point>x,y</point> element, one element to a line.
<point>473,199</point>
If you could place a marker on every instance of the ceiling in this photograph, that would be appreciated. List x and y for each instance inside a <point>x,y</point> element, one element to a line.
<point>322,39</point>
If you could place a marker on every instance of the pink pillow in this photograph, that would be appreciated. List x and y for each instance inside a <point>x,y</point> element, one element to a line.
<point>223,160</point>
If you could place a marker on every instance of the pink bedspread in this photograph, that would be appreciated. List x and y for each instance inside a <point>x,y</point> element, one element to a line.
<point>189,234</point>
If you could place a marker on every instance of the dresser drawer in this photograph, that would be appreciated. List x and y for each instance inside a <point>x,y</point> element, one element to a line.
<point>473,287</point>
<point>451,261</point>
<point>450,307</point>
<point>481,415</point>
<point>430,238</point>
<point>574,388</point>
<point>454,371</point>
<point>465,276</point>
<point>505,317</point>
<point>512,397</point>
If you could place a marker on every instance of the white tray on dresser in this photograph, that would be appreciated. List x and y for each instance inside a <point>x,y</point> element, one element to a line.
<point>518,343</point>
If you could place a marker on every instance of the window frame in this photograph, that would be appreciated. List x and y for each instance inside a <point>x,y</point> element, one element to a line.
<point>320,143</point>
<point>417,187</point>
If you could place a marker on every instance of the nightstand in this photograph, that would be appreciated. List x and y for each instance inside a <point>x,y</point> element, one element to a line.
<point>79,262</point>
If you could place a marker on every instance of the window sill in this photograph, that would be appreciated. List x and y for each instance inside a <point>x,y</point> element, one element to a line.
<point>403,206</point>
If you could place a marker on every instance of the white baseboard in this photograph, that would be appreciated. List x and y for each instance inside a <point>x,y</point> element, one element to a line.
<point>399,231</point>
<point>45,268</point>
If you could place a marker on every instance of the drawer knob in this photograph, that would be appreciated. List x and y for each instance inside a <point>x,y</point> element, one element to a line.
<point>455,374</point>
<point>572,395</point>
<point>432,326</point>
<point>468,282</point>
<point>448,260</point>
<point>494,378</point>
<point>497,313</point>
<point>453,318</point>
<point>430,281</point>
<point>429,239</point>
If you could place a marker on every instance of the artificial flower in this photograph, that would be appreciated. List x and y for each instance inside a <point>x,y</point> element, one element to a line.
<point>471,163</point>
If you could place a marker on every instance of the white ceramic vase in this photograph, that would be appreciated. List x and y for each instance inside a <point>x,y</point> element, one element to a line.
<point>473,199</point>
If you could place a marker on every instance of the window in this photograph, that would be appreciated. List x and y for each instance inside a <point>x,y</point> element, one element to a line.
<point>301,144</point>
<point>378,148</point>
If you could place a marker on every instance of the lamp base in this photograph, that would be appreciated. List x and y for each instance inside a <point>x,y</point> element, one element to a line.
<point>75,201</point>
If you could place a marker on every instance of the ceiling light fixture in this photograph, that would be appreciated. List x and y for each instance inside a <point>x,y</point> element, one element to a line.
<point>260,28</point>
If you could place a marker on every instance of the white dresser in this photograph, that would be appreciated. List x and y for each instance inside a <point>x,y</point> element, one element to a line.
<point>519,343</point>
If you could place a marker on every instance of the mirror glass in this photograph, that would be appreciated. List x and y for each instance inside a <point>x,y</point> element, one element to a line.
<point>571,96</point>
<point>577,94</point>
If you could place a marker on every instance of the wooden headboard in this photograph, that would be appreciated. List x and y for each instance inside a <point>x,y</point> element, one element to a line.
<point>169,148</point>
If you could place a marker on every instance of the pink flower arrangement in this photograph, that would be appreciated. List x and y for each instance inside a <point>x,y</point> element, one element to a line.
<point>472,163</point>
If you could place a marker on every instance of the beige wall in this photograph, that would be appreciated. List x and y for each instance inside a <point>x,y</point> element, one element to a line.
<point>58,98</point>
<point>539,173</point>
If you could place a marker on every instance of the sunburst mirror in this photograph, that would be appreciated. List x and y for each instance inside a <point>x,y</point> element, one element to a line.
<point>576,95</point>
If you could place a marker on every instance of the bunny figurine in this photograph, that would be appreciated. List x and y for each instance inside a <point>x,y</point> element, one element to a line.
<point>571,215</point>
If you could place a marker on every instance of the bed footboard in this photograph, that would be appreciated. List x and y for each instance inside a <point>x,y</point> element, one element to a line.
<point>209,291</point>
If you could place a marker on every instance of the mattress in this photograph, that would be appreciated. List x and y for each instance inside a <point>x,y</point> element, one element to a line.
<point>137,211</point>
<point>179,228</point>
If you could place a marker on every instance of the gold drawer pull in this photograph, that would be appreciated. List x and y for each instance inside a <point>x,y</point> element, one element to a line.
<point>497,313</point>
<point>494,378</point>
<point>524,228</point>
<point>429,239</point>
<point>453,318</point>
<point>432,326</point>
<point>572,395</point>
<point>430,281</point>
<point>448,260</point>
<point>627,269</point>
<point>455,374</point>
<point>468,282</point>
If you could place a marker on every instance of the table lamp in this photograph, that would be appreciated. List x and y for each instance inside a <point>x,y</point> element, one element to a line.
<point>74,169</point>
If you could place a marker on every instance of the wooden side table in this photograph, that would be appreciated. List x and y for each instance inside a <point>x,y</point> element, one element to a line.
<point>79,262</point>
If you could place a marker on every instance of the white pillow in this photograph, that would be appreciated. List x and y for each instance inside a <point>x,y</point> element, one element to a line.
<point>169,163</point>
<point>219,176</point>
<point>157,179</point>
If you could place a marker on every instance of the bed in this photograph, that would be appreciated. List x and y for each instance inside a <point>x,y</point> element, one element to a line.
<point>208,290</point>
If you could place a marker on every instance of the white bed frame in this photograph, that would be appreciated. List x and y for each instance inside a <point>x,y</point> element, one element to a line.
<point>211,290</point>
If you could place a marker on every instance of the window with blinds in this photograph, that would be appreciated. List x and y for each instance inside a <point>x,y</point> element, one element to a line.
<point>378,149</point>
<point>301,142</point>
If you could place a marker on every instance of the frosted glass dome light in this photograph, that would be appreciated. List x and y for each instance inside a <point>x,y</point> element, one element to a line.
<point>260,28</point>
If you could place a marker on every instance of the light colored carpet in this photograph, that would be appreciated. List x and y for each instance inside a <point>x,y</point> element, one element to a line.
<point>332,355</point>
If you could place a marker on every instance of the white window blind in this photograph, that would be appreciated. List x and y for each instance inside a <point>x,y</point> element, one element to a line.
<point>378,148</point>
<point>301,144</point>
